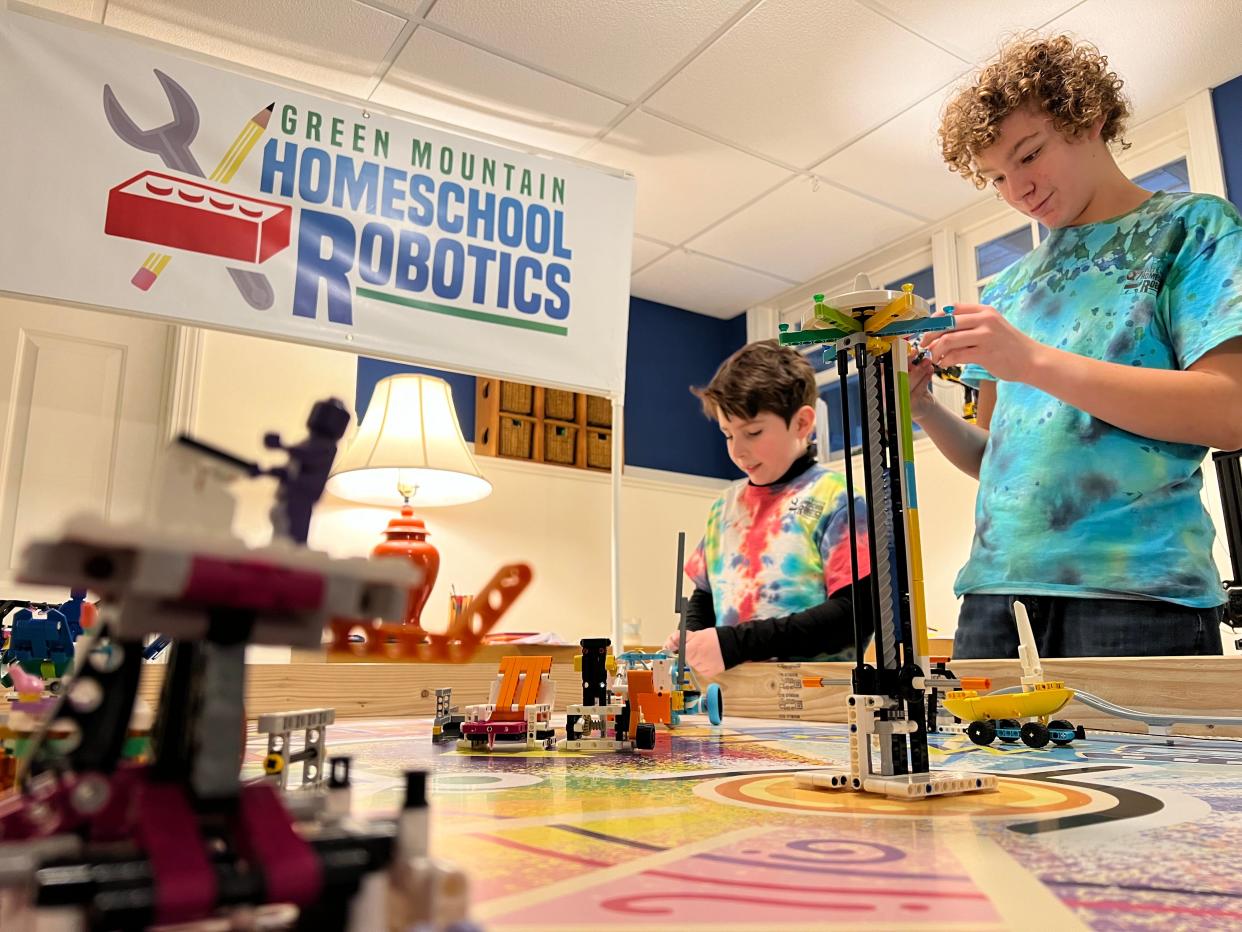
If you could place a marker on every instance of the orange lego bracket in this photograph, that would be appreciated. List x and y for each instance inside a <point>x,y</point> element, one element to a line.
<point>355,639</point>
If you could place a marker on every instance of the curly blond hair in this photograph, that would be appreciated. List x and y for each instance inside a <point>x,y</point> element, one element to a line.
<point>1068,80</point>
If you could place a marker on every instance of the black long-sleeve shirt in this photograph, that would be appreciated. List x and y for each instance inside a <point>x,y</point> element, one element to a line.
<point>827,628</point>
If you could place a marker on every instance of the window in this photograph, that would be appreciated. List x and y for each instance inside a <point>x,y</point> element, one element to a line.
<point>998,254</point>
<point>1172,177</point>
<point>923,282</point>
<point>831,395</point>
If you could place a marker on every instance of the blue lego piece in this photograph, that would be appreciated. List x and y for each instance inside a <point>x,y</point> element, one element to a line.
<point>72,610</point>
<point>156,647</point>
<point>36,640</point>
<point>917,325</point>
<point>713,704</point>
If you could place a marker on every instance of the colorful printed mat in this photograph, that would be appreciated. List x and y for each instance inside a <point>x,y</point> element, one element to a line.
<point>710,832</point>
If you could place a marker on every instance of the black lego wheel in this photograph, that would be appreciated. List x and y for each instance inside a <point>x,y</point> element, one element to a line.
<point>644,737</point>
<point>981,732</point>
<point>1035,735</point>
<point>1062,732</point>
<point>1008,729</point>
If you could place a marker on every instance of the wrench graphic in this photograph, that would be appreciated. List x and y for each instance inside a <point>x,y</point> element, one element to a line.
<point>171,142</point>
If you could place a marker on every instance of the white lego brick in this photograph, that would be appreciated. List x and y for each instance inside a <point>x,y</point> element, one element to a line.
<point>155,562</point>
<point>595,744</point>
<point>823,780</point>
<point>899,727</point>
<point>295,721</point>
<point>547,691</point>
<point>922,785</point>
<point>478,713</point>
<point>662,675</point>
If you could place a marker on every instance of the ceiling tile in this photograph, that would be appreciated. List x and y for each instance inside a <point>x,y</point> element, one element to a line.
<point>338,46</point>
<point>618,48</point>
<point>685,181</point>
<point>804,228</point>
<point>646,251</point>
<point>796,78</point>
<point>441,78</point>
<point>700,283</point>
<point>1166,50</point>
<point>900,164</point>
<point>972,29</point>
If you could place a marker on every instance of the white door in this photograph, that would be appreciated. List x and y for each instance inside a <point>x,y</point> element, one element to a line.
<point>82,412</point>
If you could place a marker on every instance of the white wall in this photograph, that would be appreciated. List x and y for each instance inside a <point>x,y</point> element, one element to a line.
<point>554,518</point>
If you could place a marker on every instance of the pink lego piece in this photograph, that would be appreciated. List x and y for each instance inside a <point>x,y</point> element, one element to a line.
<point>291,870</point>
<point>252,585</point>
<point>167,830</point>
<point>25,684</point>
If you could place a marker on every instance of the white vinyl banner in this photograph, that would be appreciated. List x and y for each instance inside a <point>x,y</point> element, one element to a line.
<point>137,179</point>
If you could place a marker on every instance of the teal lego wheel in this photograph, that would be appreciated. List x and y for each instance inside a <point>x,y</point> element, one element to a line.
<point>713,704</point>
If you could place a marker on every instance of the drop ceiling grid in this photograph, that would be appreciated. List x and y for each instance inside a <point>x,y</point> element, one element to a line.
<point>725,110</point>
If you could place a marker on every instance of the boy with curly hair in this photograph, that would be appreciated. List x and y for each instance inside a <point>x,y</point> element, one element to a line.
<point>1108,361</point>
<point>772,576</point>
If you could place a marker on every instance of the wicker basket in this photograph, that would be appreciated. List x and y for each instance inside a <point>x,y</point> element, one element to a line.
<point>560,405</point>
<point>599,449</point>
<point>517,398</point>
<point>517,437</point>
<point>599,411</point>
<point>560,442</point>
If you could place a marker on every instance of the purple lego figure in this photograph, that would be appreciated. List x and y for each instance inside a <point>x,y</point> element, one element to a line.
<point>302,478</point>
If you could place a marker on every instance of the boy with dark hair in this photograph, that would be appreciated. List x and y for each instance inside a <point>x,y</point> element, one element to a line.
<point>1108,360</point>
<point>772,575</point>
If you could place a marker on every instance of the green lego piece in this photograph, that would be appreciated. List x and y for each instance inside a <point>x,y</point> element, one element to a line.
<point>810,337</point>
<point>830,315</point>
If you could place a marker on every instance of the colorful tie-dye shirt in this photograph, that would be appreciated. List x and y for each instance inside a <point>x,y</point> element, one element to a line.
<point>1069,505</point>
<point>772,550</point>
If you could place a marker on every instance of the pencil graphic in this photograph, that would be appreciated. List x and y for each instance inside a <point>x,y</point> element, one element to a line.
<point>227,167</point>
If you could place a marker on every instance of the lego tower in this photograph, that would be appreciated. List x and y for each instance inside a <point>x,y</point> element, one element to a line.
<point>865,332</point>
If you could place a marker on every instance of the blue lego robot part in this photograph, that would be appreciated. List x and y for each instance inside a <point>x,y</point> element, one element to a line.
<point>39,639</point>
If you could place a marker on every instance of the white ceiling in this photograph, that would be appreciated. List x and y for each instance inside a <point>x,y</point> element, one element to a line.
<point>772,140</point>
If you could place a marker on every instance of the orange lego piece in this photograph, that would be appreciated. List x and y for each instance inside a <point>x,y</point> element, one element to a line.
<point>519,686</point>
<point>400,642</point>
<point>975,682</point>
<point>656,708</point>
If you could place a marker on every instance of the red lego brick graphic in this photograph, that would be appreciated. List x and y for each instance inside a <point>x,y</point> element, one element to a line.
<point>183,214</point>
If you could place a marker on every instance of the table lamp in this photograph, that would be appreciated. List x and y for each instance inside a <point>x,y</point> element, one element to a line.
<point>409,448</point>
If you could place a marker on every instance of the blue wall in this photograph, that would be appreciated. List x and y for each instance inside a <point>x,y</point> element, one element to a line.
<point>669,350</point>
<point>1227,104</point>
<point>371,371</point>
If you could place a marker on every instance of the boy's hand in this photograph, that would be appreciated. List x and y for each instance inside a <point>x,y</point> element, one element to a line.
<point>982,336</point>
<point>703,653</point>
<point>674,641</point>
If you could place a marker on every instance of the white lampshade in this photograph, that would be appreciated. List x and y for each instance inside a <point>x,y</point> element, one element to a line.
<point>409,437</point>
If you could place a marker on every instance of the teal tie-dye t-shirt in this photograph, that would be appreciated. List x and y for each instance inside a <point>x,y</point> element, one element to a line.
<point>1070,505</point>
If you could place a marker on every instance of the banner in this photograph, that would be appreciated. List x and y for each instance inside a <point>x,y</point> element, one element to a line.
<point>138,179</point>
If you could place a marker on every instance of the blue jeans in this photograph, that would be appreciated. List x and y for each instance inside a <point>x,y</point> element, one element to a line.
<point>1072,627</point>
